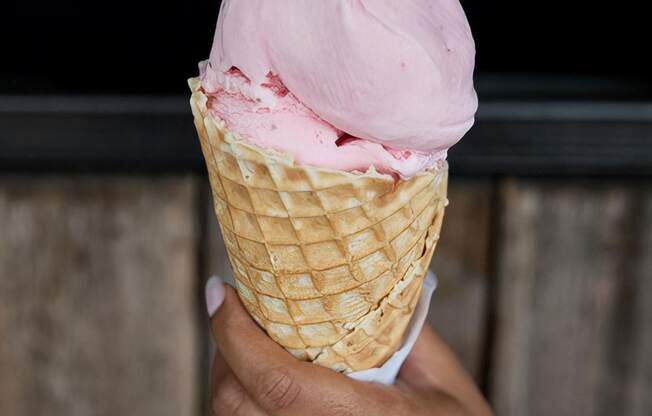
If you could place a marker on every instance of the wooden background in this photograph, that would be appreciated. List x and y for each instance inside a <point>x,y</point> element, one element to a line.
<point>545,288</point>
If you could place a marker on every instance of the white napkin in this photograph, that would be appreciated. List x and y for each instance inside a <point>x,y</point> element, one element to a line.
<point>388,372</point>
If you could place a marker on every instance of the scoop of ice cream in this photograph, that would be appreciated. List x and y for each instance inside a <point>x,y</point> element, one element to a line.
<point>273,118</point>
<point>345,84</point>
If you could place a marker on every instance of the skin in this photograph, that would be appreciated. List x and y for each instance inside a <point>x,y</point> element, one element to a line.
<point>254,376</point>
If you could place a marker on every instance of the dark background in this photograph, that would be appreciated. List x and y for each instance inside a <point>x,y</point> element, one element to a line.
<point>148,46</point>
<point>564,86</point>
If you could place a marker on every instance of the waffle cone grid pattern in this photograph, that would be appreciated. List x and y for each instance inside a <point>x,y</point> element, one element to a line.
<point>329,263</point>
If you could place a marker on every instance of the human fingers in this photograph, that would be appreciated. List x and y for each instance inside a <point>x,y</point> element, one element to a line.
<point>231,399</point>
<point>282,385</point>
<point>432,367</point>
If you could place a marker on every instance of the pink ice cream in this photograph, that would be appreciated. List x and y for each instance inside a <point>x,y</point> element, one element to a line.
<point>345,84</point>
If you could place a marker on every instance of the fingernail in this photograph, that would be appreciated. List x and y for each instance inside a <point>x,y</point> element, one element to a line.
<point>214,294</point>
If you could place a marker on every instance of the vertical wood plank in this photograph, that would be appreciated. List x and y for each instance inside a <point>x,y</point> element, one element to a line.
<point>215,262</point>
<point>458,308</point>
<point>98,296</point>
<point>573,292</point>
<point>627,388</point>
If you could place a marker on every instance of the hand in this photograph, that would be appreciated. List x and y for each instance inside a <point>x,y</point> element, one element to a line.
<point>254,376</point>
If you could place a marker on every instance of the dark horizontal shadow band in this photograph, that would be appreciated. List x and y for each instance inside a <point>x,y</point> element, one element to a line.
<point>134,133</point>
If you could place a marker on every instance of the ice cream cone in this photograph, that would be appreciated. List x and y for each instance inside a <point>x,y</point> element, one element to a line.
<point>329,263</point>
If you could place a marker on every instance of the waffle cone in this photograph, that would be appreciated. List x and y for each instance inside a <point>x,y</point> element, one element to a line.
<point>329,263</point>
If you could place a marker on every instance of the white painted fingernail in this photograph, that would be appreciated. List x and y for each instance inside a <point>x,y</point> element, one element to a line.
<point>214,294</point>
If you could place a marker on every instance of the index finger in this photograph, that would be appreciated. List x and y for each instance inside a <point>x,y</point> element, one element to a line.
<point>228,395</point>
<point>245,347</point>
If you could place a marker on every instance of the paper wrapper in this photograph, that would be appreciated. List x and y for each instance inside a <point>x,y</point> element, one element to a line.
<point>386,374</point>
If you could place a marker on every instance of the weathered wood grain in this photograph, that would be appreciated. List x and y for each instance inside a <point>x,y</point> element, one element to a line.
<point>573,318</point>
<point>627,389</point>
<point>214,262</point>
<point>459,305</point>
<point>98,296</point>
